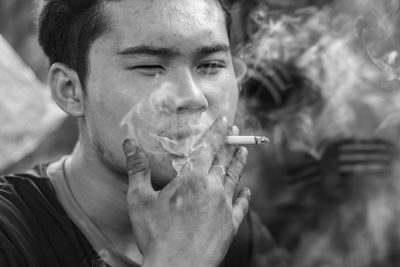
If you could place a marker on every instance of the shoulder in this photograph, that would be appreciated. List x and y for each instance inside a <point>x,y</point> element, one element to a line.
<point>34,228</point>
<point>27,188</point>
<point>26,196</point>
<point>20,194</point>
<point>16,234</point>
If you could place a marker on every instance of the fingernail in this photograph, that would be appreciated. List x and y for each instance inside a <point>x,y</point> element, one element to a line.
<point>247,191</point>
<point>225,120</point>
<point>129,148</point>
<point>235,130</point>
<point>244,151</point>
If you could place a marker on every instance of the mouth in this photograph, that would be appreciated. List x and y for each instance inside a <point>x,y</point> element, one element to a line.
<point>177,135</point>
<point>178,143</point>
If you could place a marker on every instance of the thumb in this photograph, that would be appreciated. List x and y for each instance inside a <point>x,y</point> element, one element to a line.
<point>138,169</point>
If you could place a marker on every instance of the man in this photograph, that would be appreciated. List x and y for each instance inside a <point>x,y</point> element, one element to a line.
<point>164,198</point>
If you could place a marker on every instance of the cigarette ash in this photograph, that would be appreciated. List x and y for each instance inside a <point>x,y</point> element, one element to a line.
<point>347,56</point>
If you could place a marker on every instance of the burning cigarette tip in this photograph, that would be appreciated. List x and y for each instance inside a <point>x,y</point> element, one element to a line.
<point>246,140</point>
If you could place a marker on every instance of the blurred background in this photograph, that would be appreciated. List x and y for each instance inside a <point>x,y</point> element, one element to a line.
<point>33,129</point>
<point>17,26</point>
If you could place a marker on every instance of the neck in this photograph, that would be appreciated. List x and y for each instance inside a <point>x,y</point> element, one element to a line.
<point>101,193</point>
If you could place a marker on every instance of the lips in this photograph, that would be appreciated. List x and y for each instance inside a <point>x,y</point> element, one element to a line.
<point>177,135</point>
<point>179,142</point>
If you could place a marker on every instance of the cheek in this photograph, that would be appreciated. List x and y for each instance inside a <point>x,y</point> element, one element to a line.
<point>223,102</point>
<point>108,113</point>
<point>105,111</point>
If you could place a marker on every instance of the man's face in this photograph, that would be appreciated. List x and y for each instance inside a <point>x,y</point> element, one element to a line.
<point>165,70</point>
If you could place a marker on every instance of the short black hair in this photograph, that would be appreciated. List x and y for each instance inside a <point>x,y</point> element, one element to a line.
<point>67,29</point>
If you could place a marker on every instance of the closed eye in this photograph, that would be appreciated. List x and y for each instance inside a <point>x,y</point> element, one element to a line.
<point>211,68</point>
<point>148,70</point>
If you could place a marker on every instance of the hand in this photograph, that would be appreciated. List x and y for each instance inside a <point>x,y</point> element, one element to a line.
<point>193,219</point>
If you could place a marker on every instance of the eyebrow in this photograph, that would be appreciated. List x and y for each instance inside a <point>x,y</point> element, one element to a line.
<point>170,51</point>
<point>218,48</point>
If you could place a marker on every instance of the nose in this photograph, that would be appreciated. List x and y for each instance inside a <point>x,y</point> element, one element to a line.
<point>185,95</point>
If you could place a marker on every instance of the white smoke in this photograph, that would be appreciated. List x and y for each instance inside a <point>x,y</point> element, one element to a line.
<point>349,50</point>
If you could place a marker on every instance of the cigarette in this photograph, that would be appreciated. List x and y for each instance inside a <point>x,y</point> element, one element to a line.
<point>246,140</point>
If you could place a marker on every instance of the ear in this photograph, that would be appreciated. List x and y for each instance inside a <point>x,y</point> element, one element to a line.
<point>66,89</point>
<point>240,69</point>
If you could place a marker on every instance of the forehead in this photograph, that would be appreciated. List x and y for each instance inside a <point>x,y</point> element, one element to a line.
<point>166,22</point>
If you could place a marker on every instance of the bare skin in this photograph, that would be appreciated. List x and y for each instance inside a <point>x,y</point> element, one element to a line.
<point>195,216</point>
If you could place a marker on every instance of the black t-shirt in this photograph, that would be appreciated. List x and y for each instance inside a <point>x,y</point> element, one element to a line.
<point>35,231</point>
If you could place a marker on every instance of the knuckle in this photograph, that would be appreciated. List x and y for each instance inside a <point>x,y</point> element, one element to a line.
<point>233,177</point>
<point>214,143</point>
<point>241,163</point>
<point>219,169</point>
<point>136,166</point>
<point>195,182</point>
<point>136,199</point>
<point>241,157</point>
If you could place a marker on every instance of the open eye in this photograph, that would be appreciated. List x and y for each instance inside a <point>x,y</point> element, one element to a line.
<point>211,67</point>
<point>149,70</point>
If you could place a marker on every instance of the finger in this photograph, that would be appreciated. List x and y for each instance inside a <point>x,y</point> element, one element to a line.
<point>116,259</point>
<point>241,205</point>
<point>218,171</point>
<point>223,158</point>
<point>235,130</point>
<point>138,169</point>
<point>207,147</point>
<point>234,171</point>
